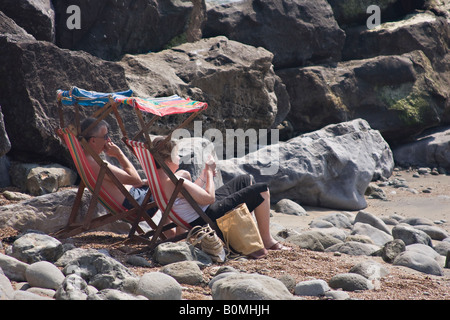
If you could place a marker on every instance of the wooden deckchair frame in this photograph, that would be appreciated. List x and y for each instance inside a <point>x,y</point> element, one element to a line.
<point>178,182</point>
<point>89,222</point>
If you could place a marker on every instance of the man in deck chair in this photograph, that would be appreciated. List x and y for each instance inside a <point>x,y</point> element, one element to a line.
<point>99,141</point>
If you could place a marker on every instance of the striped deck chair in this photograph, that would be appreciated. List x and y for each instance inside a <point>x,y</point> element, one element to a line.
<point>163,200</point>
<point>89,179</point>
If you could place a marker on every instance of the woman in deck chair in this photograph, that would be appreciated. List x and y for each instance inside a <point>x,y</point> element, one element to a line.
<point>99,141</point>
<point>215,203</point>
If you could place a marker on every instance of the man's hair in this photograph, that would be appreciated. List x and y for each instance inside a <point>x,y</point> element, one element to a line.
<point>163,148</point>
<point>86,123</point>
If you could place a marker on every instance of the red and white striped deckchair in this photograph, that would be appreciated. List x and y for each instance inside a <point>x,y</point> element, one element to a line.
<point>94,182</point>
<point>164,201</point>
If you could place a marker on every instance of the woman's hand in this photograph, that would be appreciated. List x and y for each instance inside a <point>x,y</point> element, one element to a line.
<point>211,165</point>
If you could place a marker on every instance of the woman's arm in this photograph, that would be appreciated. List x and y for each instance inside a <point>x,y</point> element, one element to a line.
<point>205,195</point>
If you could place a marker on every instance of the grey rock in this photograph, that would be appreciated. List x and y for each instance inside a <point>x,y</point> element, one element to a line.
<point>221,276</point>
<point>370,270</point>
<point>306,241</point>
<point>110,41</point>
<point>320,168</point>
<point>442,247</point>
<point>337,295</point>
<point>14,269</point>
<point>41,179</point>
<point>73,254</point>
<point>170,252</point>
<point>337,233</point>
<point>410,235</point>
<point>191,68</point>
<point>138,261</point>
<point>359,238</point>
<point>36,17</point>
<point>44,274</point>
<point>101,271</point>
<point>311,288</point>
<point>288,281</point>
<point>339,220</point>
<point>378,236</point>
<point>429,148</point>
<point>113,294</point>
<point>186,272</point>
<point>25,295</point>
<point>350,282</point>
<point>158,286</point>
<point>434,232</point>
<point>6,288</point>
<point>274,20</point>
<point>48,213</point>
<point>389,221</point>
<point>319,223</point>
<point>392,249</point>
<point>423,249</point>
<point>354,248</point>
<point>73,288</point>
<point>417,221</point>
<point>42,292</point>
<point>373,191</point>
<point>374,221</point>
<point>331,100</point>
<point>324,238</point>
<point>287,206</point>
<point>34,247</point>
<point>224,269</point>
<point>419,262</point>
<point>249,287</point>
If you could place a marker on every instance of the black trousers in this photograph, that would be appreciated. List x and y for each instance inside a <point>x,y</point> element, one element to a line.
<point>233,193</point>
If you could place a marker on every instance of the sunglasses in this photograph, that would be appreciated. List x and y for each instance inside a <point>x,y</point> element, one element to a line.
<point>106,137</point>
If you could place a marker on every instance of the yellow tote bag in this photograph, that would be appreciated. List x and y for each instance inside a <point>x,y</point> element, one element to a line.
<point>240,231</point>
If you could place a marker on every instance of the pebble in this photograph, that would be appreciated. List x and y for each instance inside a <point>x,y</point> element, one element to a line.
<point>159,286</point>
<point>185,272</point>
<point>44,274</point>
<point>312,288</point>
<point>350,282</point>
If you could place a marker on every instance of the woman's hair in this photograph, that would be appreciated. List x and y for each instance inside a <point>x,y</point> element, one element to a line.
<point>163,148</point>
<point>86,123</point>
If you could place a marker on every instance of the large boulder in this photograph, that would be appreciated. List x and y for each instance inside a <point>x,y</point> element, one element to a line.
<point>50,213</point>
<point>354,12</point>
<point>398,95</point>
<point>330,168</point>
<point>102,271</point>
<point>430,149</point>
<point>423,31</point>
<point>32,72</point>
<point>10,29</point>
<point>297,32</point>
<point>37,17</point>
<point>110,29</point>
<point>236,80</point>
